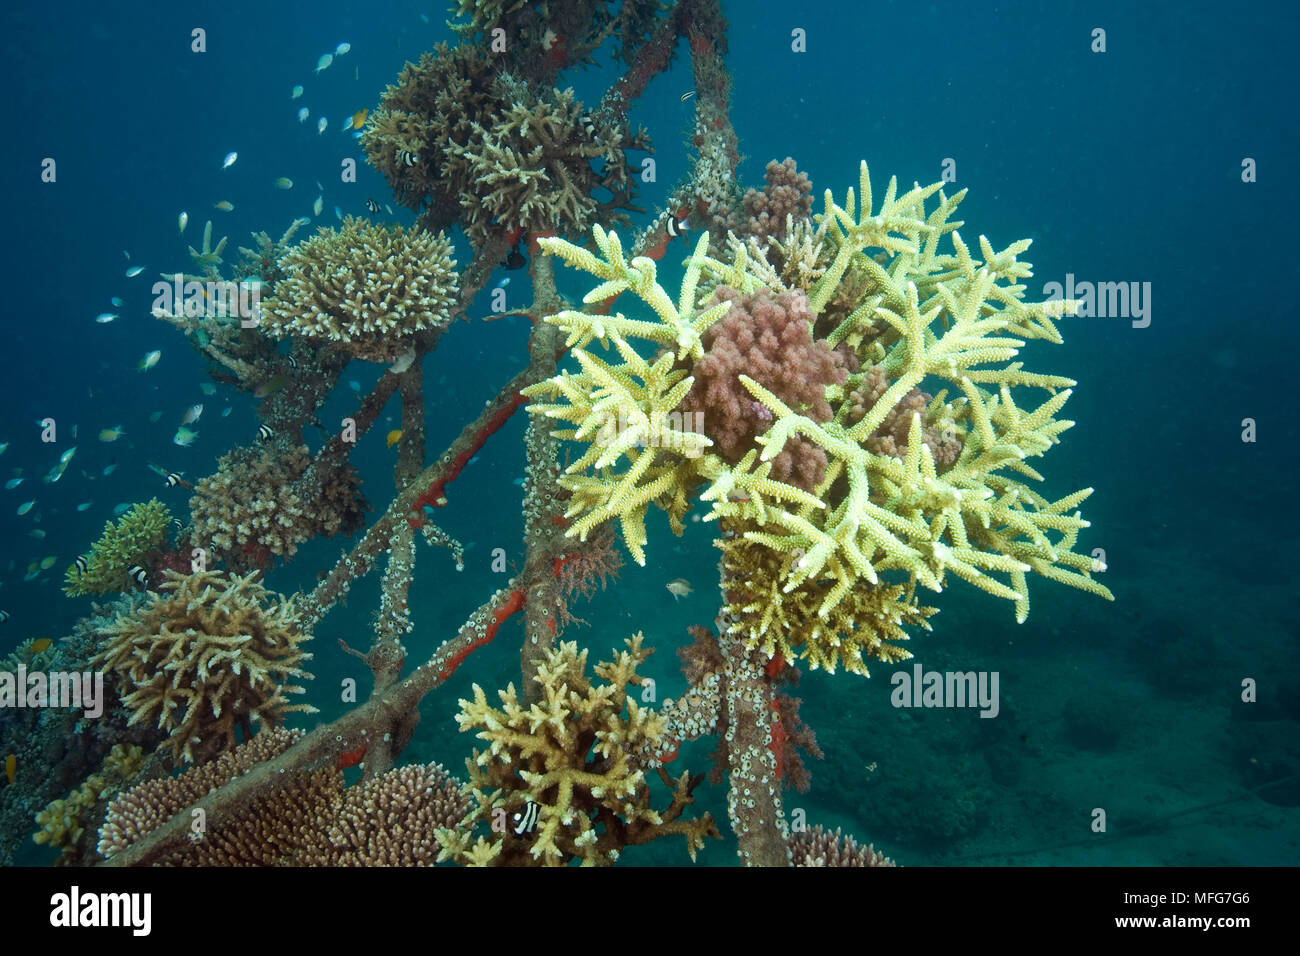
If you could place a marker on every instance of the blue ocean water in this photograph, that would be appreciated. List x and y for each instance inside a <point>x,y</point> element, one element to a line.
<point>1123,166</point>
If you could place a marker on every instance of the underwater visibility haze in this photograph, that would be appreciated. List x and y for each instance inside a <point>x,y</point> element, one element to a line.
<point>642,432</point>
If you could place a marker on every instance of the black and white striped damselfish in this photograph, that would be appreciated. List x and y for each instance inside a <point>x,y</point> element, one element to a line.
<point>264,432</point>
<point>81,564</point>
<point>526,819</point>
<point>138,574</point>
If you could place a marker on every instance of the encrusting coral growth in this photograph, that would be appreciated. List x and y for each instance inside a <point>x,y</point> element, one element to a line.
<point>567,769</point>
<point>262,502</point>
<point>367,288</point>
<point>310,819</point>
<point>207,654</point>
<point>879,508</point>
<point>124,543</point>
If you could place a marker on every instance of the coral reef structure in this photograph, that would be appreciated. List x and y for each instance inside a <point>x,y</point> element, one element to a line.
<point>208,654</point>
<point>817,846</point>
<point>366,288</point>
<point>770,340</point>
<point>530,169</point>
<point>786,195</point>
<point>883,517</point>
<point>141,530</point>
<point>264,501</point>
<point>310,819</point>
<point>63,821</point>
<point>430,110</point>
<point>567,769</point>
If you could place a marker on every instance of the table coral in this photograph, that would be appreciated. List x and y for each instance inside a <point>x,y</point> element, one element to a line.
<point>207,654</point>
<point>309,819</point>
<point>367,288</point>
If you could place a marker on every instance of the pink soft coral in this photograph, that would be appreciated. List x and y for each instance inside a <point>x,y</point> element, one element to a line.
<point>770,340</point>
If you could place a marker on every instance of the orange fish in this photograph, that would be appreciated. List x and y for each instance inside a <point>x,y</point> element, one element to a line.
<point>41,645</point>
<point>394,437</point>
<point>11,767</point>
<point>359,117</point>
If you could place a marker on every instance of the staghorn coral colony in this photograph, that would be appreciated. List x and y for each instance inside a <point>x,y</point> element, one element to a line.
<point>838,392</point>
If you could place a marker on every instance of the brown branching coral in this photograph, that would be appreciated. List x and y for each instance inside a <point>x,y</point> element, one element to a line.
<point>308,819</point>
<point>770,340</point>
<point>367,288</point>
<point>431,109</point>
<point>566,770</point>
<point>393,819</point>
<point>530,169</point>
<point>264,501</point>
<point>206,655</point>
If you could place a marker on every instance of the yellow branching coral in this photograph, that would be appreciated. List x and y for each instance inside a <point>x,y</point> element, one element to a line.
<point>867,622</point>
<point>568,769</point>
<point>208,654</point>
<point>62,822</point>
<point>952,322</point>
<point>141,530</point>
<point>365,287</point>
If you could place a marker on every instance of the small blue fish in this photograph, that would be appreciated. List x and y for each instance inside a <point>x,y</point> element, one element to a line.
<point>122,508</point>
<point>85,506</point>
<point>134,271</point>
<point>116,302</point>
